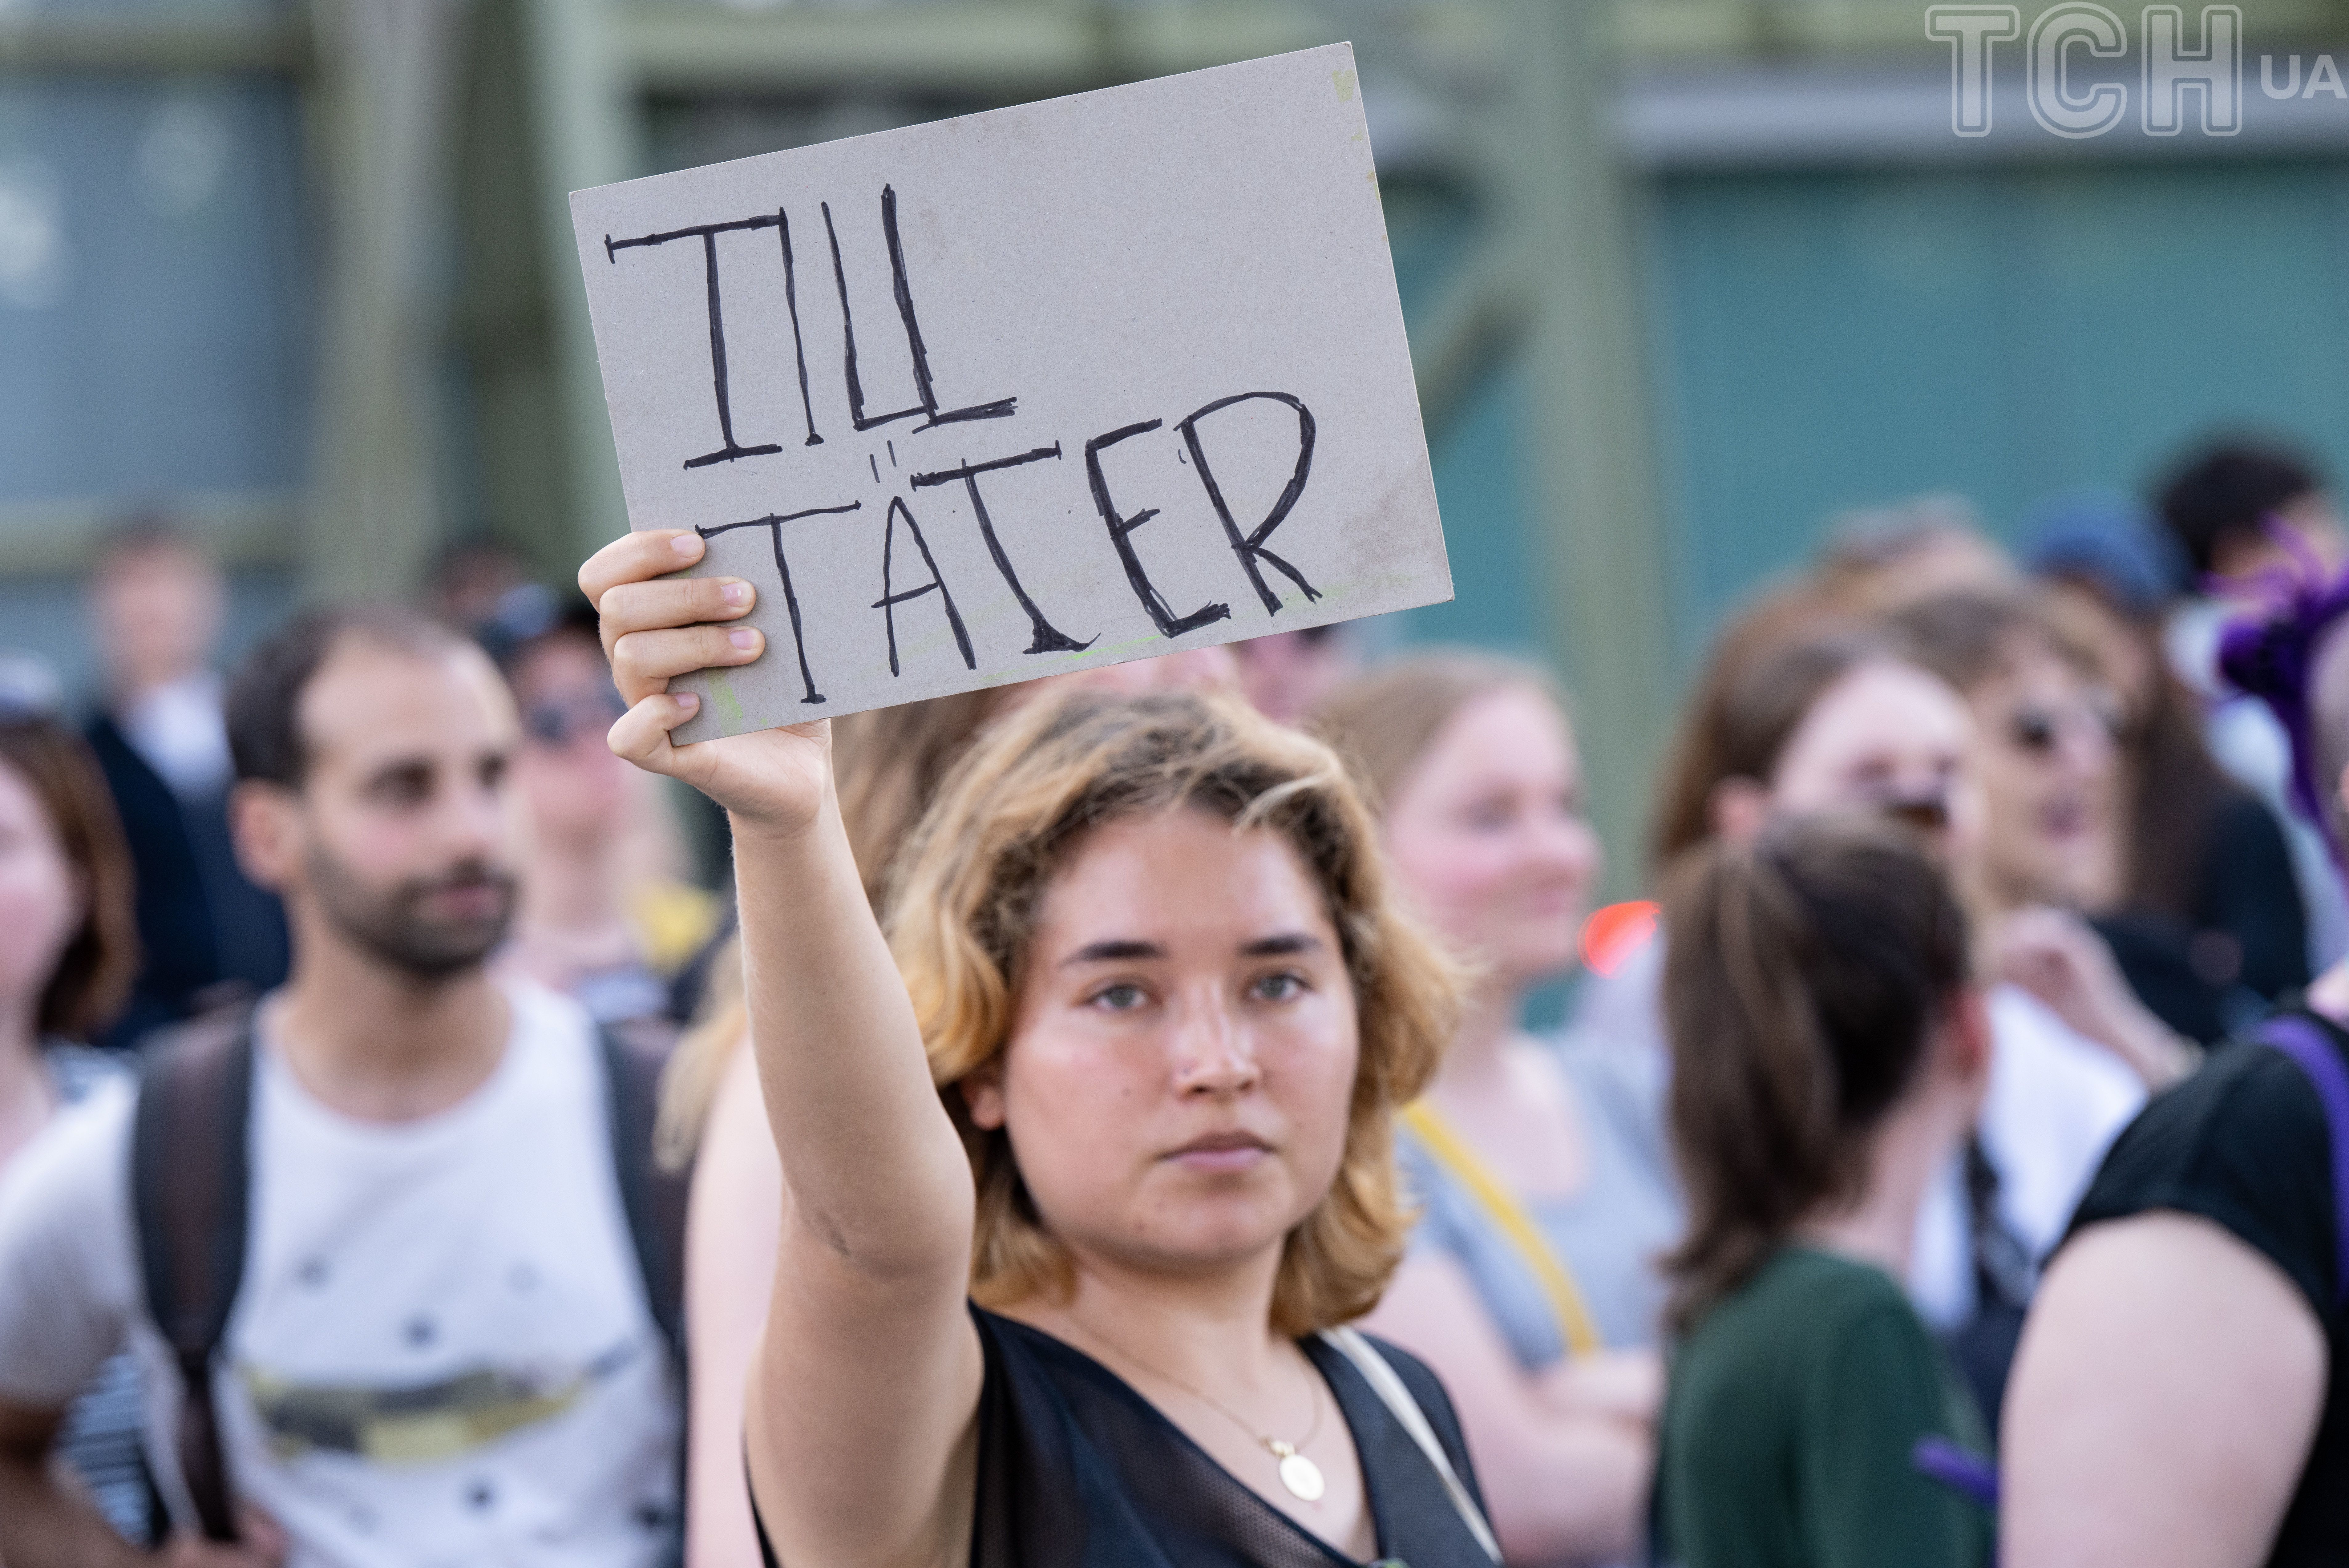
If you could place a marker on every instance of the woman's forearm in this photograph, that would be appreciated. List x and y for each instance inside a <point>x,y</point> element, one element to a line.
<point>874,1170</point>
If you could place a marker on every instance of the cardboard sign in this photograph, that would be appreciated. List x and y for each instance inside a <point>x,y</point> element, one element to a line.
<point>1024,392</point>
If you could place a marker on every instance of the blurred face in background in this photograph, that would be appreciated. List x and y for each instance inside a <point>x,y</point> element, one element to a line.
<point>574,790</point>
<point>1885,739</point>
<point>1193,669</point>
<point>399,841</point>
<point>2312,517</point>
<point>1288,674</point>
<point>2128,656</point>
<point>41,904</point>
<point>157,607</point>
<point>2048,765</point>
<point>1486,831</point>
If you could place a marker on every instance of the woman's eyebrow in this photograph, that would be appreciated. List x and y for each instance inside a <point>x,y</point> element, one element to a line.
<point>1277,946</point>
<point>1113,951</point>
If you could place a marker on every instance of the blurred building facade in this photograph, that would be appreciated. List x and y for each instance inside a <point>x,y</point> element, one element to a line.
<point>1685,279</point>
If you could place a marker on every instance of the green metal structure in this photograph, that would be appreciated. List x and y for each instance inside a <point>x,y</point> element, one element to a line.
<point>1676,297</point>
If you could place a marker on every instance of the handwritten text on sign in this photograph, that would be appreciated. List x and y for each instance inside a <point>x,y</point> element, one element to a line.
<point>1024,392</point>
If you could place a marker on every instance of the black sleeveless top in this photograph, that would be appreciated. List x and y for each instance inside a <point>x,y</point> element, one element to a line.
<point>1076,1469</point>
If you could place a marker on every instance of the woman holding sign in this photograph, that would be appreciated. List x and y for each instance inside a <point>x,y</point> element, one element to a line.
<point>1077,1209</point>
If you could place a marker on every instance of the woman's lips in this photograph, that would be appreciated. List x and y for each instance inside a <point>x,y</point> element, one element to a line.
<point>2063,819</point>
<point>1222,1152</point>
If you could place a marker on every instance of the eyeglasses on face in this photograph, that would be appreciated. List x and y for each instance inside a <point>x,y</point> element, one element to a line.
<point>559,722</point>
<point>2038,730</point>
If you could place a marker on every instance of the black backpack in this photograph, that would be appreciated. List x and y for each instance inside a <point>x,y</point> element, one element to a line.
<point>190,1193</point>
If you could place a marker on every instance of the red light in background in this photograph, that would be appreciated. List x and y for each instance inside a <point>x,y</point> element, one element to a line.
<point>1614,933</point>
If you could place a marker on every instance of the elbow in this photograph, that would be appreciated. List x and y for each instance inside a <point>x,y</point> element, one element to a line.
<point>893,1243</point>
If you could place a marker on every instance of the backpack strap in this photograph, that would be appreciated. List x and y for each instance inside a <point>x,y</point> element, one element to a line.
<point>1389,1386</point>
<point>190,1185</point>
<point>652,1196</point>
<point>2312,1050</point>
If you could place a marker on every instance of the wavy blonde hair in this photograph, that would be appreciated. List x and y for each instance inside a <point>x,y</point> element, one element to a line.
<point>966,893</point>
<point>889,762</point>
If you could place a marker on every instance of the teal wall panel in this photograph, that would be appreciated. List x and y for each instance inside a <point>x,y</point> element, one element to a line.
<point>1831,340</point>
<point>1481,487</point>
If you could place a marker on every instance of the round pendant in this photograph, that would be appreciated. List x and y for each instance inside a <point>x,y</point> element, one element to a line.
<point>1301,1475</point>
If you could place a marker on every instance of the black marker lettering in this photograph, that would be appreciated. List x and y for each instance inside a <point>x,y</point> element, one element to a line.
<point>708,233</point>
<point>1169,625</point>
<point>848,339</point>
<point>774,525</point>
<point>890,598</point>
<point>1249,547</point>
<point>1001,408</point>
<point>1048,639</point>
<point>792,303</point>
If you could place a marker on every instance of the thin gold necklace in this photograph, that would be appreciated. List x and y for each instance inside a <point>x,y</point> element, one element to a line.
<point>1299,1474</point>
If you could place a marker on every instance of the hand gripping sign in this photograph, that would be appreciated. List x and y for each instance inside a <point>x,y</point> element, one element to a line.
<point>1024,392</point>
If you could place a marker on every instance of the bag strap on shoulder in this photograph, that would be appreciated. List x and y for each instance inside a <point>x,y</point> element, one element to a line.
<point>1578,1331</point>
<point>652,1196</point>
<point>190,1184</point>
<point>2312,1050</point>
<point>1393,1393</point>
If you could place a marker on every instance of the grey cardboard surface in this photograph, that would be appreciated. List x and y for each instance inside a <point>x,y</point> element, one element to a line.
<point>1024,392</point>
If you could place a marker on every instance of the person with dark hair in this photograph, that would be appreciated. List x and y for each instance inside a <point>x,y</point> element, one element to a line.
<point>2181,1395</point>
<point>64,972</point>
<point>1829,1054</point>
<point>383,1247</point>
<point>2047,743</point>
<point>605,917</point>
<point>2220,502</point>
<point>2204,916</point>
<point>208,935</point>
<point>1857,718</point>
<point>2241,510</point>
<point>1797,708</point>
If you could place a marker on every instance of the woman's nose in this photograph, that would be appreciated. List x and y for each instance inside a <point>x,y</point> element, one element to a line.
<point>1212,1052</point>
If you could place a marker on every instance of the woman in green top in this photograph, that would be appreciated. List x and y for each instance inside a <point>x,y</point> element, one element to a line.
<point>1828,1052</point>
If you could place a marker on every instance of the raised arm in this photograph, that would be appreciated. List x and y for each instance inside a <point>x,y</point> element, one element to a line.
<point>863,1399</point>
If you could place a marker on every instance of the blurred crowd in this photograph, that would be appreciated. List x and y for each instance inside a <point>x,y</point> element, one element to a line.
<point>377,1132</point>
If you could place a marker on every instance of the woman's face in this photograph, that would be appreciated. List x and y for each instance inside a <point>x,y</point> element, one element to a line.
<point>1487,832</point>
<point>2047,765</point>
<point>1887,737</point>
<point>576,790</point>
<point>41,902</point>
<point>1181,1066</point>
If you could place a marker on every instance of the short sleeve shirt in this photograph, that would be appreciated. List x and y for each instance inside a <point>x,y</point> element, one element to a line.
<point>441,1351</point>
